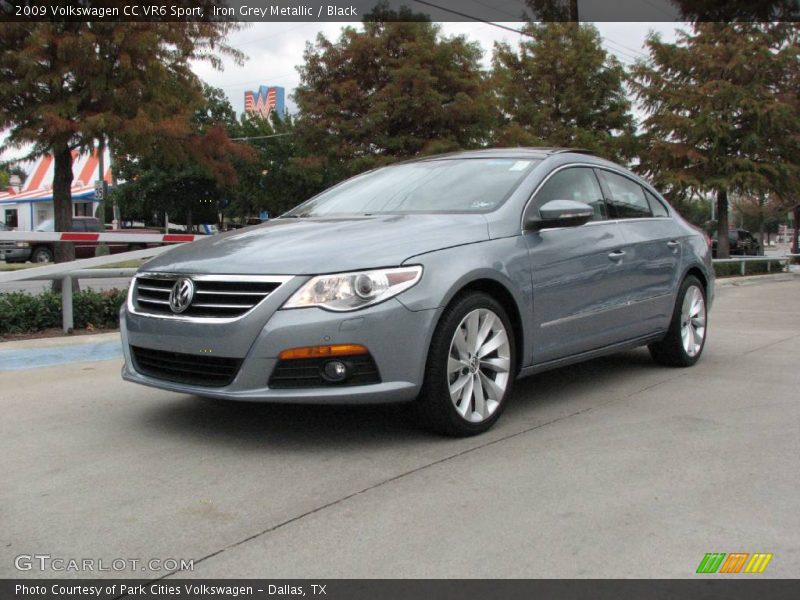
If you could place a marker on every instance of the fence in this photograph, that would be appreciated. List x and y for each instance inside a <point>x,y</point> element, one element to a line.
<point>86,269</point>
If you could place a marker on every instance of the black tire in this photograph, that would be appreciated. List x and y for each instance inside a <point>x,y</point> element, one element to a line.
<point>434,407</point>
<point>670,351</point>
<point>42,255</point>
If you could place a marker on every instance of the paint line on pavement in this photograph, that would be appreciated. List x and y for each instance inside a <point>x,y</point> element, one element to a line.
<point>34,358</point>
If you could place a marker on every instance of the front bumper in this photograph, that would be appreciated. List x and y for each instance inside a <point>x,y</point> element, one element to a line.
<point>396,337</point>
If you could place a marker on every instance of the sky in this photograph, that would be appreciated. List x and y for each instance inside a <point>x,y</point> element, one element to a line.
<point>274,50</point>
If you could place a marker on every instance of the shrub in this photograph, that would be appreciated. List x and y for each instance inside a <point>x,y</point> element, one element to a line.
<point>734,269</point>
<point>21,312</point>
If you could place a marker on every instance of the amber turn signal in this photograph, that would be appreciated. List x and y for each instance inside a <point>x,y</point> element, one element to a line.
<point>323,351</point>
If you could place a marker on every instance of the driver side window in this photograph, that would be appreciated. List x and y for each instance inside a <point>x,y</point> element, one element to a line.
<point>575,183</point>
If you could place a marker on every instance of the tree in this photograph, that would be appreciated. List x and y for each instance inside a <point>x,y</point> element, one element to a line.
<point>560,88</point>
<point>192,185</point>
<point>68,84</point>
<point>393,90</point>
<point>722,112</point>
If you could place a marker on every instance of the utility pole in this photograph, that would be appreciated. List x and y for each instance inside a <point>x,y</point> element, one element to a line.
<point>101,186</point>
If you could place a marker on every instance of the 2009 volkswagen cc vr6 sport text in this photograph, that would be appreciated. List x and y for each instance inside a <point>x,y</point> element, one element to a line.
<point>436,281</point>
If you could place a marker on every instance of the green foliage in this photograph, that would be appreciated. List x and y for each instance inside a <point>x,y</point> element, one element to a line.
<point>695,210</point>
<point>21,312</point>
<point>734,269</point>
<point>68,84</point>
<point>394,90</point>
<point>191,187</point>
<point>560,88</point>
<point>722,112</point>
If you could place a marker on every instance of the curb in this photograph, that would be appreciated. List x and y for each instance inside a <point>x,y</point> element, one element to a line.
<point>754,279</point>
<point>60,341</point>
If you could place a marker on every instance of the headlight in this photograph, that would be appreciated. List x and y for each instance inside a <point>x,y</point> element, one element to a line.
<point>23,245</point>
<point>351,291</point>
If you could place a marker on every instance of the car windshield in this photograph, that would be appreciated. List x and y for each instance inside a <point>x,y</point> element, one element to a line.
<point>47,225</point>
<point>448,185</point>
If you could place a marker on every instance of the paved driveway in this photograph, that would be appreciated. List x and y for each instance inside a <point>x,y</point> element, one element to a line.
<point>614,468</point>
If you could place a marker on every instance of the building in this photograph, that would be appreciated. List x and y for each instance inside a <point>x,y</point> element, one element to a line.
<point>26,208</point>
<point>264,100</point>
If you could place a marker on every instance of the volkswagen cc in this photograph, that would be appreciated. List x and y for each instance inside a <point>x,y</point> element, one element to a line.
<point>436,282</point>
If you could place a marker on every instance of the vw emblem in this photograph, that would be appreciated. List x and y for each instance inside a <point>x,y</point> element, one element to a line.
<point>180,298</point>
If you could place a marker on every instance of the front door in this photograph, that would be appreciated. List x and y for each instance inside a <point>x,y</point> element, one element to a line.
<point>576,271</point>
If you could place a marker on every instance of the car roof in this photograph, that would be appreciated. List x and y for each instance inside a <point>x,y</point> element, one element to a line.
<point>519,152</point>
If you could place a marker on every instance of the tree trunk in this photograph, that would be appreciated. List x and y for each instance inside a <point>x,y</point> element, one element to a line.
<point>723,244</point>
<point>62,200</point>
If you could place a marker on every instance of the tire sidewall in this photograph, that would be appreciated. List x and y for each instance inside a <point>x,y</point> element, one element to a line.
<point>44,251</point>
<point>436,389</point>
<point>689,282</point>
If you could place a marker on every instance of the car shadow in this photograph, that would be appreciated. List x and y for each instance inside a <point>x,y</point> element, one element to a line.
<point>324,426</point>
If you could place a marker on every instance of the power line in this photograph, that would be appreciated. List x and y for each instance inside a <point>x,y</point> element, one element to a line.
<point>259,137</point>
<point>466,16</point>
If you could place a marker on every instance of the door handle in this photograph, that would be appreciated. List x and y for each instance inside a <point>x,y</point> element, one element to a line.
<point>616,255</point>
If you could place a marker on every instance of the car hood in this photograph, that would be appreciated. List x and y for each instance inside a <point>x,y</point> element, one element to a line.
<point>309,246</point>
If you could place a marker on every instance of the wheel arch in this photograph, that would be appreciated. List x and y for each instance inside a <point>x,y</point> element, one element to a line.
<point>503,295</point>
<point>697,272</point>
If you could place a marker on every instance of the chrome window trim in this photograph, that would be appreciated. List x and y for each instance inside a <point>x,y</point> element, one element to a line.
<point>591,166</point>
<point>279,279</point>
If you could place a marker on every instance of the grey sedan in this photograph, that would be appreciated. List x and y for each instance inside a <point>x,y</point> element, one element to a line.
<point>436,282</point>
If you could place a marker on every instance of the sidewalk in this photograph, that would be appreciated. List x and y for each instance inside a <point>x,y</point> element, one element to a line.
<point>46,352</point>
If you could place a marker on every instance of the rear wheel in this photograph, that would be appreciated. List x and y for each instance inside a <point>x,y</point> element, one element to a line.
<point>470,370</point>
<point>42,255</point>
<point>686,337</point>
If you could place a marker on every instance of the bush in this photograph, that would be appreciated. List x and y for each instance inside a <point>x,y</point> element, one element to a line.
<point>21,312</point>
<point>734,269</point>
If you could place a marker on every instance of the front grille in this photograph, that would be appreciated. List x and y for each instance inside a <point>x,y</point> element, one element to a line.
<point>215,296</point>
<point>195,369</point>
<point>307,372</point>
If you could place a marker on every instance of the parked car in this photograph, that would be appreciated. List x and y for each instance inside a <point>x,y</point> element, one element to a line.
<point>741,241</point>
<point>437,282</point>
<point>44,252</point>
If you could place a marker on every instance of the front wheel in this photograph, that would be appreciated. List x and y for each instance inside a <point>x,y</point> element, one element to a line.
<point>686,337</point>
<point>42,255</point>
<point>470,371</point>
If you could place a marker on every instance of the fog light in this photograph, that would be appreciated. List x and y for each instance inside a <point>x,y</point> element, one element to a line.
<point>334,370</point>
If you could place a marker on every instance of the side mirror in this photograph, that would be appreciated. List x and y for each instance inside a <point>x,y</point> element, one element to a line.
<point>560,213</point>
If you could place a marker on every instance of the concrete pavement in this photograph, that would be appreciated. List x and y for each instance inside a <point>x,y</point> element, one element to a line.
<point>613,468</point>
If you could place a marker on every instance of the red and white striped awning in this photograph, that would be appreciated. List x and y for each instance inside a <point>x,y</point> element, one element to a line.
<point>39,183</point>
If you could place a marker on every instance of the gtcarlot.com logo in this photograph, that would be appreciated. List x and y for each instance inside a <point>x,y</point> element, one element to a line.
<point>735,562</point>
<point>46,562</point>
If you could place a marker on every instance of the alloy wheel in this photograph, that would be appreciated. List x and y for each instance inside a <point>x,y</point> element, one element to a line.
<point>693,321</point>
<point>479,365</point>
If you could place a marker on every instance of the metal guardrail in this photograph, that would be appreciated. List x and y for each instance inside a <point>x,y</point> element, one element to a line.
<point>743,260</point>
<point>80,269</point>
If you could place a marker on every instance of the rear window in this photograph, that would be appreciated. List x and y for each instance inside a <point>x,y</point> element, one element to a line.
<point>656,206</point>
<point>627,197</point>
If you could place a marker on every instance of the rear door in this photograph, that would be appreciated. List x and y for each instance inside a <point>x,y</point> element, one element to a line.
<point>652,252</point>
<point>577,291</point>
